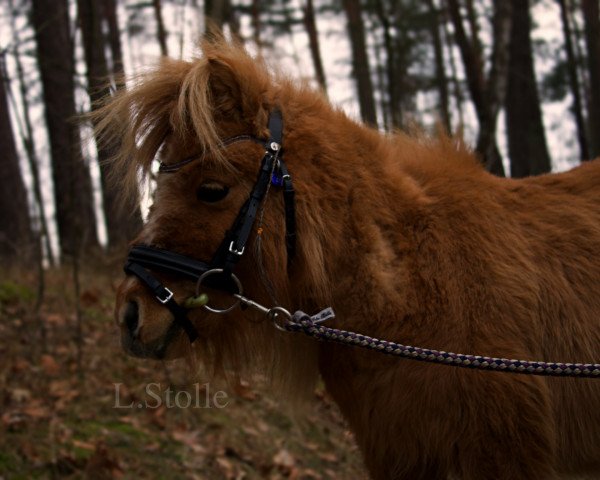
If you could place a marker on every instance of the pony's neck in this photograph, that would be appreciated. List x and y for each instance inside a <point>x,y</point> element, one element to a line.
<point>366,199</point>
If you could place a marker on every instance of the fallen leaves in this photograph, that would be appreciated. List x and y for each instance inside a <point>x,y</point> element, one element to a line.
<point>103,464</point>
<point>190,439</point>
<point>20,365</point>
<point>13,421</point>
<point>20,395</point>
<point>284,459</point>
<point>89,297</point>
<point>229,470</point>
<point>49,365</point>
<point>54,424</point>
<point>37,410</point>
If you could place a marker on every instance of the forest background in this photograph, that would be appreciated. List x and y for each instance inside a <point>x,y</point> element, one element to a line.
<point>519,79</point>
<point>515,76</point>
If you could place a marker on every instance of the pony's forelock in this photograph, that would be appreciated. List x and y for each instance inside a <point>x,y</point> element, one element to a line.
<point>173,98</point>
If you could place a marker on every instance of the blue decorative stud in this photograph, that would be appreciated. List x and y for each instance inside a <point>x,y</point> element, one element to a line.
<point>277,179</point>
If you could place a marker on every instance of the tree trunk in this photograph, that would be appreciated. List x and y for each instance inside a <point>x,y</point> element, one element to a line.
<point>114,40</point>
<point>16,237</point>
<point>27,138</point>
<point>256,23</point>
<point>216,11</point>
<point>473,63</point>
<point>574,82</point>
<point>487,95</point>
<point>526,137</point>
<point>71,177</point>
<point>578,43</point>
<point>440,66</point>
<point>122,221</point>
<point>472,20</point>
<point>456,84</point>
<point>380,77</point>
<point>394,84</point>
<point>495,88</point>
<point>591,15</point>
<point>360,61</point>
<point>313,38</point>
<point>219,13</point>
<point>161,33</point>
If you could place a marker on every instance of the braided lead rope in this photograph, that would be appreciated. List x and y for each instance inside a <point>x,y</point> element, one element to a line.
<point>301,322</point>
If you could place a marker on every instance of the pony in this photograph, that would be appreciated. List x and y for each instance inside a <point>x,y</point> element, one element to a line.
<point>408,238</point>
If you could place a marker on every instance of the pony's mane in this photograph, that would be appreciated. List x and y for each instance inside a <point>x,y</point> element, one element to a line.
<point>175,97</point>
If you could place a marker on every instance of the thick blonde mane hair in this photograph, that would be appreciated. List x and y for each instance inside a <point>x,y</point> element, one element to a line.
<point>178,98</point>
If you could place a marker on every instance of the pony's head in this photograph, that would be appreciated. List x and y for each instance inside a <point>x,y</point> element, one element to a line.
<point>184,114</point>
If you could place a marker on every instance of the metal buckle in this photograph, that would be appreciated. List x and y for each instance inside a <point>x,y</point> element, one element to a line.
<point>235,251</point>
<point>235,279</point>
<point>168,297</point>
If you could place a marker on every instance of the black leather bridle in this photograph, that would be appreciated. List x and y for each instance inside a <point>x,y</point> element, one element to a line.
<point>273,172</point>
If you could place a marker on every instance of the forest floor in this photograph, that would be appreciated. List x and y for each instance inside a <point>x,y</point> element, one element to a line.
<point>59,415</point>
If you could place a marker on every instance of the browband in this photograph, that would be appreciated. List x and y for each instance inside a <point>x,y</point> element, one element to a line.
<point>174,167</point>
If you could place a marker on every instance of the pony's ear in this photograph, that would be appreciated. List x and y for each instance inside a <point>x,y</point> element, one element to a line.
<point>238,87</point>
<point>225,88</point>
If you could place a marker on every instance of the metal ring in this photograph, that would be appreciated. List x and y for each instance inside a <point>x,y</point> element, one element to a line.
<point>235,279</point>
<point>276,312</point>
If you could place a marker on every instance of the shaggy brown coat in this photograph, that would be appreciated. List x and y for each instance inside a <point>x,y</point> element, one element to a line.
<point>409,240</point>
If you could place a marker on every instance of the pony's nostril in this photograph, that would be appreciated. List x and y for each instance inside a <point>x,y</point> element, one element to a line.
<point>131,317</point>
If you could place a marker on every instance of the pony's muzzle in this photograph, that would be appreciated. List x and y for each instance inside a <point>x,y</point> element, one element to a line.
<point>146,327</point>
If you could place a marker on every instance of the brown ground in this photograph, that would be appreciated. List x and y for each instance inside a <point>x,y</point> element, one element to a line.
<point>58,419</point>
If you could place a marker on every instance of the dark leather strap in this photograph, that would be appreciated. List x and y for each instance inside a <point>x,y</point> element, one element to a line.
<point>290,212</point>
<point>276,126</point>
<point>165,260</point>
<point>164,296</point>
<point>233,245</point>
<point>175,263</point>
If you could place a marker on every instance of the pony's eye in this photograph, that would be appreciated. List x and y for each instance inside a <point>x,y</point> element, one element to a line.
<point>212,192</point>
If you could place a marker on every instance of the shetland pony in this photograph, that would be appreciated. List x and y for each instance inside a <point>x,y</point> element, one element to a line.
<point>408,239</point>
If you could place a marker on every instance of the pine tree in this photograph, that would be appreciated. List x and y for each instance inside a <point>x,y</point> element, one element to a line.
<point>16,237</point>
<point>360,61</point>
<point>526,137</point>
<point>71,177</point>
<point>487,91</point>
<point>574,82</point>
<point>591,15</point>
<point>122,221</point>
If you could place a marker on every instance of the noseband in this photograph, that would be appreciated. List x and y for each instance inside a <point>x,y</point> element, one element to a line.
<point>218,272</point>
